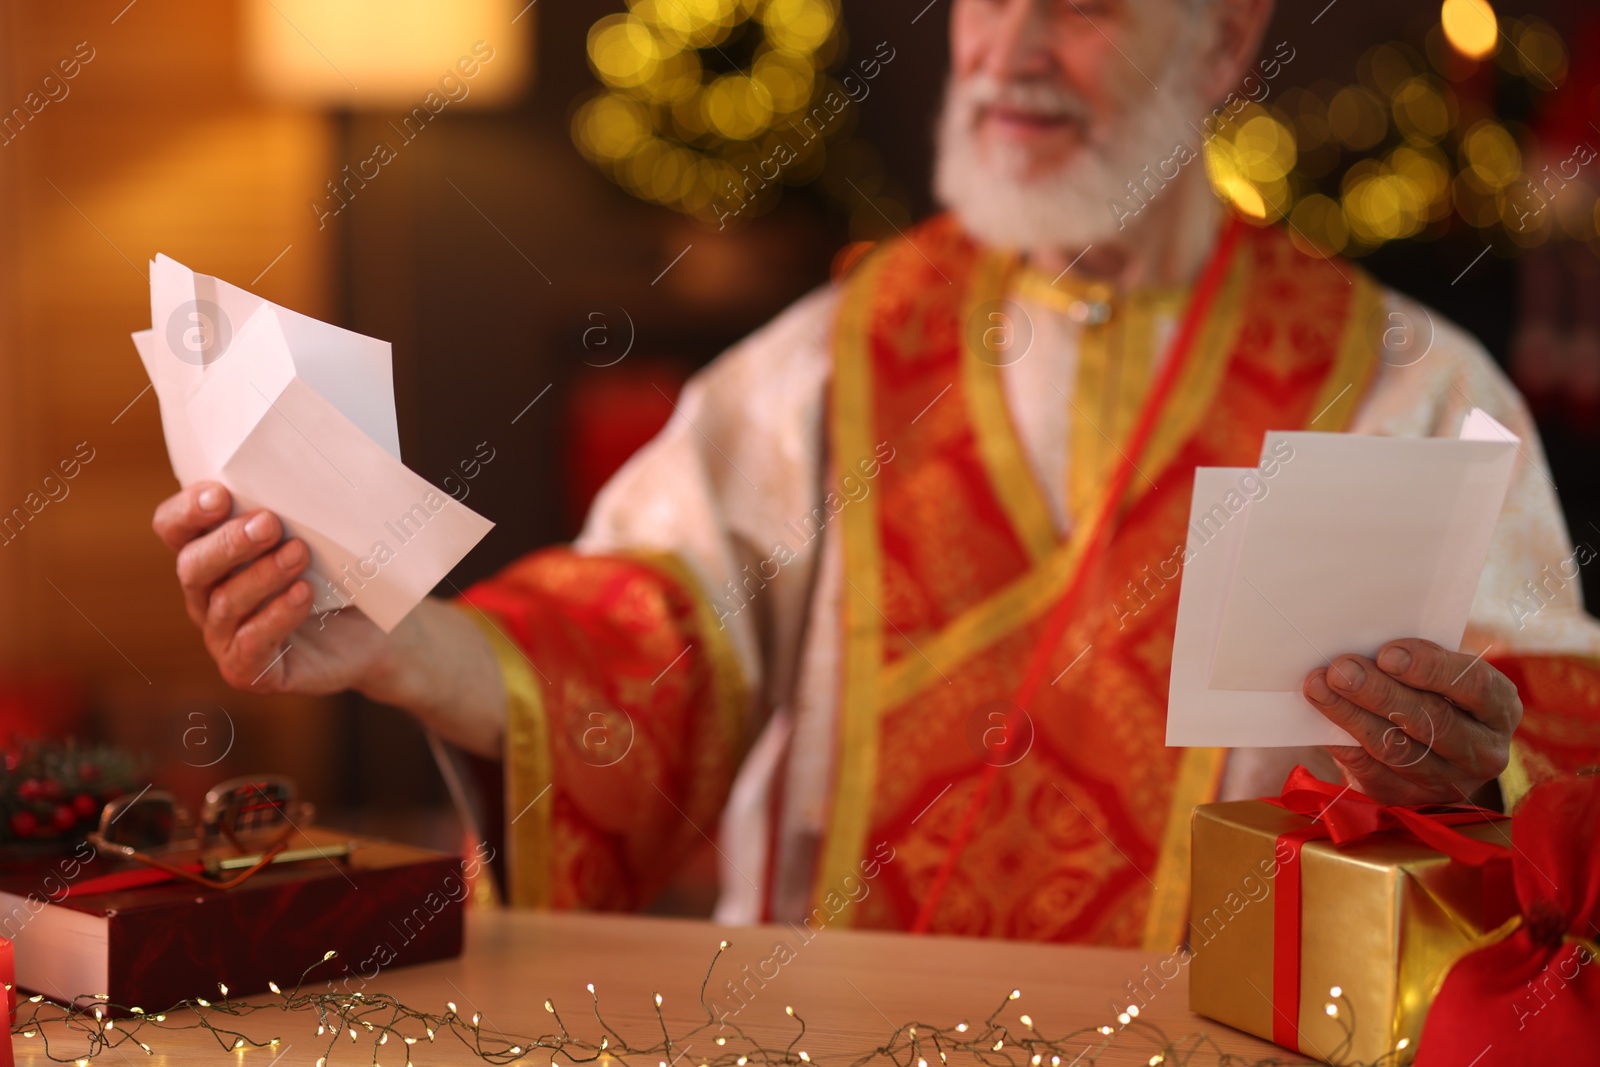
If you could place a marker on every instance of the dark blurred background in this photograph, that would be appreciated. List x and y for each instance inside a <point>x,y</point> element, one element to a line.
<point>564,212</point>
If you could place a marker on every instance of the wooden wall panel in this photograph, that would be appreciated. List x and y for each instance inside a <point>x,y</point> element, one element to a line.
<point>157,146</point>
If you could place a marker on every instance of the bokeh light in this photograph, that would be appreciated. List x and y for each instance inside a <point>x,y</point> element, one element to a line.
<point>1470,27</point>
<point>676,126</point>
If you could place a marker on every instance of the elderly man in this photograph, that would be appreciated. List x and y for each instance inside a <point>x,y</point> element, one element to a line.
<point>804,607</point>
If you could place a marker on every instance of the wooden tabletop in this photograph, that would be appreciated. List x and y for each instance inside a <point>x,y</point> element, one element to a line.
<point>851,989</point>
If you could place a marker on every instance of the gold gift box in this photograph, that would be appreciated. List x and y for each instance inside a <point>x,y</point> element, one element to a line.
<point>1382,919</point>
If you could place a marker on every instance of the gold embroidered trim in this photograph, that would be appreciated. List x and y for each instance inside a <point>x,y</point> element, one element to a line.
<point>528,772</point>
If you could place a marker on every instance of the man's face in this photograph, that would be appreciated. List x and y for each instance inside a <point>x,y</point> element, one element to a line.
<point>1085,60</point>
<point>1053,106</point>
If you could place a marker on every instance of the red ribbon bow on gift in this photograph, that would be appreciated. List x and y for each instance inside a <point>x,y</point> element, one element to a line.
<point>1532,994</point>
<point>1342,815</point>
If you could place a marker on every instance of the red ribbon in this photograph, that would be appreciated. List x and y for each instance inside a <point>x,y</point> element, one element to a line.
<point>1342,815</point>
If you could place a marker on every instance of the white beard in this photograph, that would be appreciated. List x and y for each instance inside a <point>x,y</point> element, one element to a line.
<point>1075,205</point>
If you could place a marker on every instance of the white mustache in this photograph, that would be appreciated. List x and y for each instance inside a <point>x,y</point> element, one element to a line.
<point>1041,98</point>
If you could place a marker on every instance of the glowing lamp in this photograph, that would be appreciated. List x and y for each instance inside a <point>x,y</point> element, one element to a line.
<point>375,55</point>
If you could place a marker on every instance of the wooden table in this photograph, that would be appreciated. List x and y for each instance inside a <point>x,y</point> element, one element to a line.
<point>852,989</point>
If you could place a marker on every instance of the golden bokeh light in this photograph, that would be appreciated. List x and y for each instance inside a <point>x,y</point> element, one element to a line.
<point>737,107</point>
<point>1358,117</point>
<point>611,127</point>
<point>798,25</point>
<point>1264,149</point>
<point>1423,110</point>
<point>1427,176</point>
<point>1317,225</point>
<point>1540,54</point>
<point>623,51</point>
<point>1490,155</point>
<point>1470,27</point>
<point>670,130</point>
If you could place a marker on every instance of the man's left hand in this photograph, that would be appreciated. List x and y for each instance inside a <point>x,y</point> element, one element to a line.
<point>1434,726</point>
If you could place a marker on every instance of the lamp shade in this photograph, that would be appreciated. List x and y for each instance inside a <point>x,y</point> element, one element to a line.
<point>381,55</point>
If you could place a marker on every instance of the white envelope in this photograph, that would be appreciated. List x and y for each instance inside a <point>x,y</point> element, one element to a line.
<point>1355,541</point>
<point>297,416</point>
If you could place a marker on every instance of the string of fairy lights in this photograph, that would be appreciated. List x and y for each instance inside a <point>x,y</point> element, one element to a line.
<point>697,89</point>
<point>696,93</point>
<point>92,1027</point>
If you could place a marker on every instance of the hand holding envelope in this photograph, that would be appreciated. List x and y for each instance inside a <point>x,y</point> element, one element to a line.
<point>297,416</point>
<point>1359,543</point>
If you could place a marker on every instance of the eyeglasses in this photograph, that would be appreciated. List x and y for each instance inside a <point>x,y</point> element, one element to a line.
<point>244,825</point>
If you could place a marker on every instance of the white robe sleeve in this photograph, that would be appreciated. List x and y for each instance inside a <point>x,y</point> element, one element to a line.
<point>740,457</point>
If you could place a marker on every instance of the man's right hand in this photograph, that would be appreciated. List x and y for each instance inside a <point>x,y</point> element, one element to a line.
<point>243,588</point>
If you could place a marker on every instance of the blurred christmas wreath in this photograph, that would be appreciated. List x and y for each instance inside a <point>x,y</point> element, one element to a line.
<point>53,790</point>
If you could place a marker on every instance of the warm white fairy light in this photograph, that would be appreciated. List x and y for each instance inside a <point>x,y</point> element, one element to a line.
<point>344,1009</point>
<point>450,1007</point>
<point>1400,1046</point>
<point>203,1002</point>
